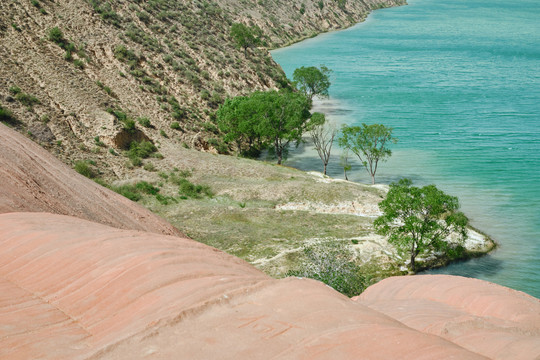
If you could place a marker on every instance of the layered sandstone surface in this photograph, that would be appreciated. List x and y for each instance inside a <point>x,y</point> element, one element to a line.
<point>74,289</point>
<point>31,179</point>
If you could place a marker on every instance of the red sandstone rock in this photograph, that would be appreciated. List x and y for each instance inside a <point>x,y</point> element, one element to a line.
<point>31,179</point>
<point>74,289</point>
<point>91,287</point>
<point>485,318</point>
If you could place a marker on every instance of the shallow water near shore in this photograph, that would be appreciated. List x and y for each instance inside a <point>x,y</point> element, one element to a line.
<point>460,84</point>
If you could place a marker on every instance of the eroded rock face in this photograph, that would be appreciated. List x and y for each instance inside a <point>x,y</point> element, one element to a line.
<point>31,179</point>
<point>73,289</point>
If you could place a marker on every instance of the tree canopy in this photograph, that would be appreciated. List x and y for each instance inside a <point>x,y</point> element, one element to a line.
<point>273,118</point>
<point>369,143</point>
<point>243,36</point>
<point>312,81</point>
<point>419,220</point>
<point>238,120</point>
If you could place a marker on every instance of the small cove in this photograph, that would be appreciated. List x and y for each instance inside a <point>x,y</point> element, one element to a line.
<point>460,85</point>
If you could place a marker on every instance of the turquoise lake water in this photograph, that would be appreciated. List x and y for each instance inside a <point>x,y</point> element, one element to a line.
<point>459,81</point>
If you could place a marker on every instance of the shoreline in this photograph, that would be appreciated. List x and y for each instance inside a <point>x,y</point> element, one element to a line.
<point>477,243</point>
<point>317,33</point>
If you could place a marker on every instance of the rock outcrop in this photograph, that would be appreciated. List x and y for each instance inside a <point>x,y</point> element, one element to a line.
<point>31,179</point>
<point>482,317</point>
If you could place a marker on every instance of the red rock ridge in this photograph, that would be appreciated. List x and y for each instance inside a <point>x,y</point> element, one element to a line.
<point>34,180</point>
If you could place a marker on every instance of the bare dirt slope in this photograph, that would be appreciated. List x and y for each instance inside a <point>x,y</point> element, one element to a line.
<point>168,62</point>
<point>72,289</point>
<point>34,180</point>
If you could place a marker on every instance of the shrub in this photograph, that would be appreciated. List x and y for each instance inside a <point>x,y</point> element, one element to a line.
<point>7,117</point>
<point>210,127</point>
<point>143,16</point>
<point>129,191</point>
<point>164,200</point>
<point>14,90</point>
<point>163,175</point>
<point>26,99</point>
<point>332,264</point>
<point>123,54</point>
<point>188,189</point>
<point>135,160</point>
<point>204,94</point>
<point>175,125</point>
<point>78,64</point>
<point>129,125</point>
<point>149,167</point>
<point>98,142</point>
<point>141,149</point>
<point>56,36</point>
<point>83,168</point>
<point>144,121</point>
<point>146,188</point>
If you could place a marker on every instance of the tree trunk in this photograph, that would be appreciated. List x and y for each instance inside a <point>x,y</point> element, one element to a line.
<point>324,171</point>
<point>372,179</point>
<point>413,267</point>
<point>345,171</point>
<point>279,153</point>
<point>413,258</point>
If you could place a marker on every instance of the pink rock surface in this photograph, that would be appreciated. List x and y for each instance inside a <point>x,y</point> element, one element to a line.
<point>31,179</point>
<point>73,289</point>
<point>485,318</point>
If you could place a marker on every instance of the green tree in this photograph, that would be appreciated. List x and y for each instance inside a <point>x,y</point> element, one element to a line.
<point>312,81</point>
<point>243,36</point>
<point>418,221</point>
<point>283,118</point>
<point>238,118</point>
<point>368,143</point>
<point>274,118</point>
<point>322,133</point>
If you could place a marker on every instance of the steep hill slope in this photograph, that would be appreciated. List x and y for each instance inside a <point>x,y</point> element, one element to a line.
<point>107,63</point>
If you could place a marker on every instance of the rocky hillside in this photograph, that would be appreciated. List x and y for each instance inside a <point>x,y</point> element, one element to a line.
<point>87,77</point>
